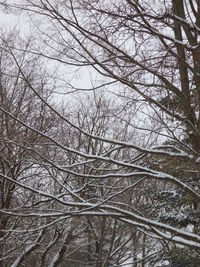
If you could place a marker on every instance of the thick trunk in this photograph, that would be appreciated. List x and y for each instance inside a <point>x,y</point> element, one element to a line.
<point>187,106</point>
<point>100,244</point>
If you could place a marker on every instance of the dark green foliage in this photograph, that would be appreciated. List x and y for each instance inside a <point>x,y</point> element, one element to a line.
<point>184,257</point>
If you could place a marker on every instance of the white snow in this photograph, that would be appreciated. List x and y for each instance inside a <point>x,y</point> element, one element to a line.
<point>190,228</point>
<point>198,159</point>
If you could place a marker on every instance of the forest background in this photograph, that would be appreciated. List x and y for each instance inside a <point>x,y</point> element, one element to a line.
<point>100,133</point>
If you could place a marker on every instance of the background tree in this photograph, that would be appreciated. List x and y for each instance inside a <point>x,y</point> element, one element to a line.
<point>147,54</point>
<point>16,143</point>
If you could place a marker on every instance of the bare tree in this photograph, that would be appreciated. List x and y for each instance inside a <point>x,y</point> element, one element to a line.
<point>16,143</point>
<point>148,55</point>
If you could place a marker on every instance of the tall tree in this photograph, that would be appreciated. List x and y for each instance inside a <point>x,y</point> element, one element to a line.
<point>16,144</point>
<point>147,54</point>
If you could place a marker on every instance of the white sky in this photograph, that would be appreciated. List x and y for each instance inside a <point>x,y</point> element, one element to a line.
<point>8,22</point>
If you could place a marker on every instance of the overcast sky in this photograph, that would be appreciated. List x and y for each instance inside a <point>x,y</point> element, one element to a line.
<point>8,19</point>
